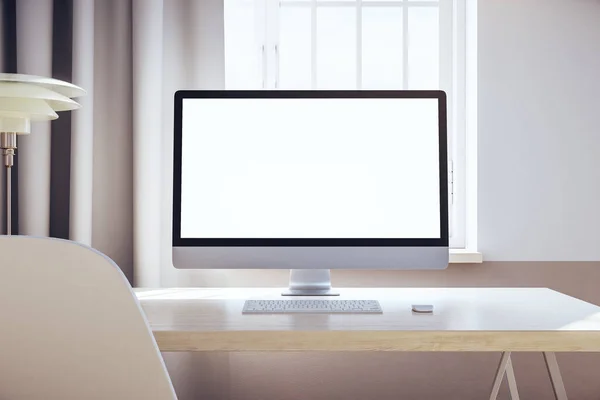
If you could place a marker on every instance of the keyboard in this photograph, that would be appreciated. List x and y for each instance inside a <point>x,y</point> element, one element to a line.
<point>312,306</point>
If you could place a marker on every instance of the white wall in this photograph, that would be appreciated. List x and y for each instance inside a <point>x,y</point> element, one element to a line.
<point>539,130</point>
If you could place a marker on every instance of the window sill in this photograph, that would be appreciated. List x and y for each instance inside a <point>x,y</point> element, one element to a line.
<point>465,256</point>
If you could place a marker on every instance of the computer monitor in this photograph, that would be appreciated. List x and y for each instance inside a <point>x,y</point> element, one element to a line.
<point>310,181</point>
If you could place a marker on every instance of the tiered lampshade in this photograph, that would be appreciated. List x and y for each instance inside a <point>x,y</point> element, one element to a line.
<point>26,98</point>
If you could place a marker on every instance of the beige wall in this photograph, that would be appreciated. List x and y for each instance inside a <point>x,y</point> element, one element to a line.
<point>354,376</point>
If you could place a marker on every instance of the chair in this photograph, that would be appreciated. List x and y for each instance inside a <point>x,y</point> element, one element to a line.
<point>71,327</point>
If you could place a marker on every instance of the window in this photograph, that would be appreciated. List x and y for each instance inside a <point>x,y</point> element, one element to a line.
<point>357,44</point>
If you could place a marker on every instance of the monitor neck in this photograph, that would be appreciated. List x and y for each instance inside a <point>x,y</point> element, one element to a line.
<point>310,282</point>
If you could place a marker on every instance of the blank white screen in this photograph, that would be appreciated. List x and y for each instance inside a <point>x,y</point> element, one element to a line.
<point>310,168</point>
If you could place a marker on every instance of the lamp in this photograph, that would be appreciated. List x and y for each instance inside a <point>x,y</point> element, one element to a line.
<point>26,98</point>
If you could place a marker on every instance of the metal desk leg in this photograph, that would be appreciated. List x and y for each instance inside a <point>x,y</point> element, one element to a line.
<point>512,380</point>
<point>499,375</point>
<point>505,368</point>
<point>555,377</point>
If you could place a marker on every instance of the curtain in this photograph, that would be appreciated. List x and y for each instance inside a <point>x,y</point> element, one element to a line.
<point>101,175</point>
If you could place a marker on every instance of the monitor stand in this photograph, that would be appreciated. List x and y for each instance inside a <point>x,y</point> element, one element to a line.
<point>310,282</point>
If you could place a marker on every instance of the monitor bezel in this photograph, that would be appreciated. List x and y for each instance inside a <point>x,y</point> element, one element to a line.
<point>181,95</point>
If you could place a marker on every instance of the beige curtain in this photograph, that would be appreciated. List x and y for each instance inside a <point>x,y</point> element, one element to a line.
<point>131,56</point>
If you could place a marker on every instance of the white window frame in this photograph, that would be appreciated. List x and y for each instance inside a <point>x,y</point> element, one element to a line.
<point>455,42</point>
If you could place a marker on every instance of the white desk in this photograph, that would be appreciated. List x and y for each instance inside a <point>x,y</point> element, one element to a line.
<point>464,319</point>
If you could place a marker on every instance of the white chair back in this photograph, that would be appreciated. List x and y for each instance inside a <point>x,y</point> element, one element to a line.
<point>71,327</point>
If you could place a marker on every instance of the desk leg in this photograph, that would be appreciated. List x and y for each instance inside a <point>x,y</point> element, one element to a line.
<point>555,376</point>
<point>505,368</point>
<point>512,380</point>
<point>500,374</point>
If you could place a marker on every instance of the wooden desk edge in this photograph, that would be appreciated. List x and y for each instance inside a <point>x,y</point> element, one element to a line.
<point>323,341</point>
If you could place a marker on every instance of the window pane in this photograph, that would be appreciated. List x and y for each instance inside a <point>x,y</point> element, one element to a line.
<point>294,48</point>
<point>423,48</point>
<point>336,48</point>
<point>382,48</point>
<point>242,53</point>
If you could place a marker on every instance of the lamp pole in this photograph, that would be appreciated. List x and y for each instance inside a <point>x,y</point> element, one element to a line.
<point>8,144</point>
